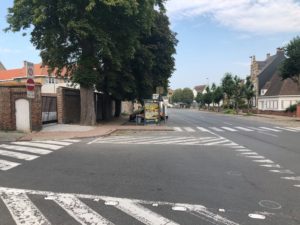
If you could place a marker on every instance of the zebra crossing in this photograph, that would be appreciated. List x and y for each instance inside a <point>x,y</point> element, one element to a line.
<point>15,153</point>
<point>164,140</point>
<point>87,209</point>
<point>237,129</point>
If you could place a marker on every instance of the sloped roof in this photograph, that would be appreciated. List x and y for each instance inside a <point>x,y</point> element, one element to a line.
<point>2,66</point>
<point>277,86</point>
<point>200,88</point>
<point>20,73</point>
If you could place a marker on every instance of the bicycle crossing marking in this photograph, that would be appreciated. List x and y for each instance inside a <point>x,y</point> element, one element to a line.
<point>271,129</point>
<point>244,129</point>
<point>20,150</point>
<point>25,212</point>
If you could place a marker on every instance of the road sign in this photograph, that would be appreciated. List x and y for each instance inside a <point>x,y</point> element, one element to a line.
<point>30,88</point>
<point>29,69</point>
<point>30,84</point>
<point>155,96</point>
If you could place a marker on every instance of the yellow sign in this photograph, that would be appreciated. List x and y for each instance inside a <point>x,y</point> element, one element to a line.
<point>151,110</point>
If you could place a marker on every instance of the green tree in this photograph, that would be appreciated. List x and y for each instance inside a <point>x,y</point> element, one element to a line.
<point>218,95</point>
<point>87,38</point>
<point>291,66</point>
<point>177,96</point>
<point>228,87</point>
<point>208,97</point>
<point>199,99</point>
<point>249,91</point>
<point>187,96</point>
<point>213,89</point>
<point>238,92</point>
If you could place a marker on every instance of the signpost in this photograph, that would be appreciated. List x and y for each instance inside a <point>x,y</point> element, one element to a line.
<point>30,82</point>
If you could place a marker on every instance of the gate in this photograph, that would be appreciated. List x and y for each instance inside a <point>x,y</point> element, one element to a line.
<point>49,108</point>
<point>22,115</point>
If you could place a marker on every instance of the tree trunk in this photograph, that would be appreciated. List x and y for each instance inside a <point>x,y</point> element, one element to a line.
<point>87,112</point>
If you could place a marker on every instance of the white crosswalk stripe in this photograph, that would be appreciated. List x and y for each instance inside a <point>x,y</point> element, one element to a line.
<point>229,129</point>
<point>189,129</point>
<point>7,165</point>
<point>271,129</point>
<point>21,150</point>
<point>18,155</point>
<point>163,140</point>
<point>26,212</point>
<point>237,128</point>
<point>216,129</point>
<point>243,128</point>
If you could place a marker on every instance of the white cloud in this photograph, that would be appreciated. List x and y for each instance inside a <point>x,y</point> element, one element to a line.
<point>9,51</point>
<point>253,16</point>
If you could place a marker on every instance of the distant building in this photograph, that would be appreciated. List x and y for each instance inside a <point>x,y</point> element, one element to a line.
<point>199,89</point>
<point>2,67</point>
<point>272,93</point>
<point>41,75</point>
<point>263,71</point>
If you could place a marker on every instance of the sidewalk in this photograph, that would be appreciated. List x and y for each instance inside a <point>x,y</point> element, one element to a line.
<point>66,131</point>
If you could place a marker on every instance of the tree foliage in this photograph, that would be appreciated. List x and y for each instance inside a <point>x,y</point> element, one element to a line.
<point>228,86</point>
<point>187,96</point>
<point>249,91</point>
<point>122,47</point>
<point>291,66</point>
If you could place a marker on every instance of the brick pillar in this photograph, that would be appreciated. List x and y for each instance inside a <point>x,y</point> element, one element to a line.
<point>298,110</point>
<point>60,105</point>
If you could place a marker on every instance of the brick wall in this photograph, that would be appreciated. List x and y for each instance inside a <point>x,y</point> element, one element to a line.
<point>68,105</point>
<point>9,93</point>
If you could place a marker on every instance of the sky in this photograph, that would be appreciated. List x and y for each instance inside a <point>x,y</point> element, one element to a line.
<point>215,37</point>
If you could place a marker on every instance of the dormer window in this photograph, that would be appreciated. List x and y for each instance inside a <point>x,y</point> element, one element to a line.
<point>263,91</point>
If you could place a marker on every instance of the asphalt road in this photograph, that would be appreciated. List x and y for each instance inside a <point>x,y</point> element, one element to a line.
<point>212,169</point>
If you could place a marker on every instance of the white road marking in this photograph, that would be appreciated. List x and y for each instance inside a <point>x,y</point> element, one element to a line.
<point>18,155</point>
<point>26,149</point>
<point>264,161</point>
<point>282,171</point>
<point>287,129</point>
<point>271,165</point>
<point>249,153</point>
<point>243,150</point>
<point>255,156</point>
<point>216,129</point>
<point>256,128</point>
<point>294,128</point>
<point>243,128</point>
<point>297,185</point>
<point>177,129</point>
<point>291,178</point>
<point>71,140</point>
<point>202,129</point>
<point>229,129</point>
<point>7,165</point>
<point>27,143</point>
<point>140,213</point>
<point>23,211</point>
<point>257,216</point>
<point>217,143</point>
<point>228,123</point>
<point>132,207</point>
<point>80,211</point>
<point>54,142</point>
<point>189,129</point>
<point>271,129</point>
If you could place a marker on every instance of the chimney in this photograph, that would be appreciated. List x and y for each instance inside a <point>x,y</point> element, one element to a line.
<point>280,51</point>
<point>268,55</point>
